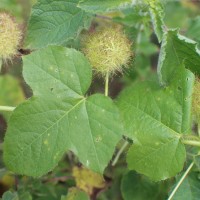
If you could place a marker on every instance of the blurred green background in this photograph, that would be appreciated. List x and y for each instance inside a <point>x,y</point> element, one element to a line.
<point>184,15</point>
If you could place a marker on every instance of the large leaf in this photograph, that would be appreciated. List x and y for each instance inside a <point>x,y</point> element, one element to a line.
<point>154,117</point>
<point>42,129</point>
<point>177,49</point>
<point>189,189</point>
<point>99,6</point>
<point>54,22</point>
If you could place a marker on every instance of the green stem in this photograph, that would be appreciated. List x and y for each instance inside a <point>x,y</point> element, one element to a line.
<point>7,108</point>
<point>106,84</point>
<point>180,181</point>
<point>119,153</point>
<point>191,142</point>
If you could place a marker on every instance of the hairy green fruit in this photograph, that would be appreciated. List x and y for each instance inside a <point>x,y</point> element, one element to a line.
<point>10,36</point>
<point>108,50</point>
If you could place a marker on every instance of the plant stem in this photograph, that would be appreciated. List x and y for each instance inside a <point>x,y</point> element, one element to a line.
<point>106,84</point>
<point>119,153</point>
<point>7,108</point>
<point>191,142</point>
<point>181,181</point>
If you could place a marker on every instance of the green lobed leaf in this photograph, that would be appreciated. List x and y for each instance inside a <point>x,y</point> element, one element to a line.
<point>177,49</point>
<point>55,22</point>
<point>154,117</point>
<point>43,128</point>
<point>189,189</point>
<point>99,6</point>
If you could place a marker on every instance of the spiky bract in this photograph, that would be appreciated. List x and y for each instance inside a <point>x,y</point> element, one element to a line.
<point>108,50</point>
<point>10,36</point>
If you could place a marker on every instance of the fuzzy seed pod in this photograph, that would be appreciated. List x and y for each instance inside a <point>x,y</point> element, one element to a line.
<point>196,99</point>
<point>108,50</point>
<point>10,36</point>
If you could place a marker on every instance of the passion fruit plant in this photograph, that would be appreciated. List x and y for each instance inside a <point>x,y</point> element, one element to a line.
<point>148,133</point>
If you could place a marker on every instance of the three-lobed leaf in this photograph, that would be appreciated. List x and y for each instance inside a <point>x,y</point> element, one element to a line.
<point>154,118</point>
<point>42,129</point>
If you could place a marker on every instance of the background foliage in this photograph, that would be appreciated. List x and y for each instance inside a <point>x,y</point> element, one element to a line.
<point>155,92</point>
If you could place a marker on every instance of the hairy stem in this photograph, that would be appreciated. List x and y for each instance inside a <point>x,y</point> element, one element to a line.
<point>180,181</point>
<point>106,84</point>
<point>7,108</point>
<point>119,153</point>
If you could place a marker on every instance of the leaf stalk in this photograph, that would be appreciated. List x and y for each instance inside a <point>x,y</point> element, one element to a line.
<point>119,153</point>
<point>7,108</point>
<point>106,84</point>
<point>191,142</point>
